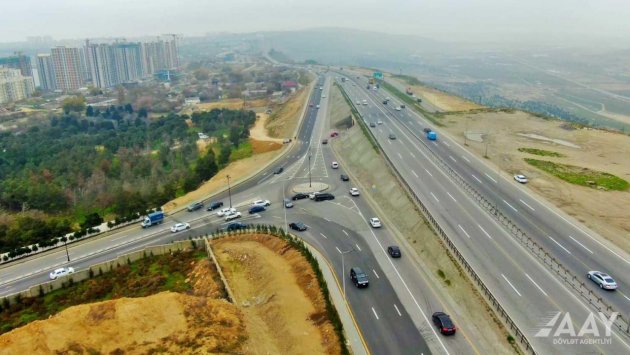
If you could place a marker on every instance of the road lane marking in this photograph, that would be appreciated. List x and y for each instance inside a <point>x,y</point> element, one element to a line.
<point>400,155</point>
<point>375,315</point>
<point>414,174</point>
<point>344,232</point>
<point>412,155</point>
<point>325,237</point>
<point>338,250</point>
<point>277,217</point>
<point>490,177</point>
<point>476,178</point>
<point>428,172</point>
<point>560,245</point>
<point>389,141</point>
<point>435,197</point>
<point>434,143</point>
<point>541,290</point>
<point>466,159</point>
<point>525,203</point>
<point>460,227</point>
<point>446,143</point>
<point>512,207</point>
<point>327,220</point>
<point>451,196</point>
<point>358,247</point>
<point>375,274</point>
<point>582,245</point>
<point>484,231</point>
<point>397,310</point>
<point>514,288</point>
<point>626,297</point>
<point>453,159</point>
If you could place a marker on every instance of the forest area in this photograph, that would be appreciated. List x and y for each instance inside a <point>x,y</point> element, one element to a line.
<point>73,172</point>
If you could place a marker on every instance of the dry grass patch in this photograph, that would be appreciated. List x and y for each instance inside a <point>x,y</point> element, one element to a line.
<point>282,123</point>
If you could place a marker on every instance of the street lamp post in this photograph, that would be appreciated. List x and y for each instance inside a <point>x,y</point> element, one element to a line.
<point>229,190</point>
<point>286,226</point>
<point>65,243</point>
<point>343,272</point>
<point>309,168</point>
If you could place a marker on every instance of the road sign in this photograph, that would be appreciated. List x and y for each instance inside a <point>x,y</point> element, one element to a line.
<point>377,75</point>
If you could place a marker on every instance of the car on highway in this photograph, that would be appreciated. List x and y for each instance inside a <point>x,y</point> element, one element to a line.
<point>334,134</point>
<point>344,177</point>
<point>334,165</point>
<point>427,130</point>
<point>256,209</point>
<point>385,102</point>
<point>278,170</point>
<point>63,271</point>
<point>372,124</point>
<point>323,96</point>
<point>288,203</point>
<point>365,102</point>
<point>392,136</point>
<point>232,216</point>
<point>444,323</point>
<point>358,277</point>
<point>354,191</point>
<point>521,178</point>
<point>324,141</point>
<point>226,211</point>
<point>379,122</point>
<point>394,251</point>
<point>375,222</point>
<point>310,105</point>
<point>177,227</point>
<point>298,226</point>
<point>324,196</point>
<point>602,279</point>
<point>397,108</point>
<point>299,196</point>
<point>214,205</point>
<point>235,226</point>
<point>194,206</point>
<point>402,106</point>
<point>313,194</point>
<point>264,203</point>
<point>358,102</point>
<point>317,106</point>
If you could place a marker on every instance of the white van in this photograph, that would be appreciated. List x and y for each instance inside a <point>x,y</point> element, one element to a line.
<point>335,165</point>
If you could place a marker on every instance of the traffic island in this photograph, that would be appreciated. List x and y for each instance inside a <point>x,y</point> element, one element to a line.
<point>307,188</point>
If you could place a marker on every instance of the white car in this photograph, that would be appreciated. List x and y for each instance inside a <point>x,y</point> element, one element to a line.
<point>226,211</point>
<point>397,108</point>
<point>261,203</point>
<point>379,122</point>
<point>354,191</point>
<point>365,102</point>
<point>312,195</point>
<point>603,280</point>
<point>61,272</point>
<point>180,227</point>
<point>521,178</point>
<point>375,222</point>
<point>334,165</point>
<point>323,96</point>
<point>232,216</point>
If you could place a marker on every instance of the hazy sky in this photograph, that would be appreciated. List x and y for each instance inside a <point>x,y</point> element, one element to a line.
<point>471,20</point>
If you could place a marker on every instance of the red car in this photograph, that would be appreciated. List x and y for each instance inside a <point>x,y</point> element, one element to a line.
<point>334,134</point>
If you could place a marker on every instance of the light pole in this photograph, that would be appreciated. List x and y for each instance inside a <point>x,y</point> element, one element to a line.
<point>65,243</point>
<point>343,271</point>
<point>229,190</point>
<point>286,226</point>
<point>466,132</point>
<point>309,167</point>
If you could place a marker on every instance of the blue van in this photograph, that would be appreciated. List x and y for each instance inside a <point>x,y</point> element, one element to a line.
<point>256,209</point>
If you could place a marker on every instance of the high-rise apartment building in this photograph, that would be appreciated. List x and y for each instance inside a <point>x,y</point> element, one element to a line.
<point>128,61</point>
<point>45,72</point>
<point>67,68</point>
<point>14,86</point>
<point>18,61</point>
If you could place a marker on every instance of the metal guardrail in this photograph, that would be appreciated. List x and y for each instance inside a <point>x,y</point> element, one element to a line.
<point>490,298</point>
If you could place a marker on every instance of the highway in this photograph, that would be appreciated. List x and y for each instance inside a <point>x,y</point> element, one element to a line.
<point>523,286</point>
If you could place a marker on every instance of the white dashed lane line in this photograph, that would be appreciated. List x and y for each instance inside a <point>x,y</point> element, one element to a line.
<point>560,245</point>
<point>325,237</point>
<point>528,206</point>
<point>397,310</point>
<point>491,178</point>
<point>453,159</point>
<point>375,274</point>
<point>582,245</point>
<point>436,199</point>
<point>476,178</point>
<point>375,315</point>
<point>451,196</point>
<point>512,207</point>
<point>414,174</point>
<point>541,290</point>
<point>509,283</point>
<point>460,227</point>
<point>484,231</point>
<point>428,172</point>
<point>466,159</point>
<point>344,232</point>
<point>358,247</point>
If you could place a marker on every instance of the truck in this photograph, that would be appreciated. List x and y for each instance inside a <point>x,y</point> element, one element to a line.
<point>152,219</point>
<point>409,92</point>
<point>431,135</point>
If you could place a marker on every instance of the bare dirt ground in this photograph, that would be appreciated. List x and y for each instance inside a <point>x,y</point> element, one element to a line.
<point>441,100</point>
<point>283,307</point>
<point>283,121</point>
<point>259,131</point>
<point>606,212</point>
<point>376,181</point>
<point>166,322</point>
<point>232,104</point>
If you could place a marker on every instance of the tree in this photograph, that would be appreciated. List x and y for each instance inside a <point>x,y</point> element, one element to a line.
<point>73,104</point>
<point>201,74</point>
<point>143,113</point>
<point>91,220</point>
<point>206,166</point>
<point>89,111</point>
<point>224,156</point>
<point>128,108</point>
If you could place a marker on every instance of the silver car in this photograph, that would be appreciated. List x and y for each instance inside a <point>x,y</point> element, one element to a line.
<point>603,280</point>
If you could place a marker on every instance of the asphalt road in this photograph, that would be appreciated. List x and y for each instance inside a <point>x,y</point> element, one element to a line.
<point>528,291</point>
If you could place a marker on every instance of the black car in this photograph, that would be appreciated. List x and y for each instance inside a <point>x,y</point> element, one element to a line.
<point>235,226</point>
<point>394,251</point>
<point>444,323</point>
<point>256,209</point>
<point>427,130</point>
<point>278,170</point>
<point>214,205</point>
<point>385,102</point>
<point>299,196</point>
<point>372,124</point>
<point>344,177</point>
<point>298,226</point>
<point>195,206</point>
<point>358,277</point>
<point>325,141</point>
<point>324,196</point>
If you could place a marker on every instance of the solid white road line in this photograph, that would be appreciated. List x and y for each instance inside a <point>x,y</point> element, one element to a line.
<point>446,143</point>
<point>400,155</point>
<point>512,207</point>
<point>414,174</point>
<point>344,232</point>
<point>325,237</point>
<point>428,172</point>
<point>460,227</point>
<point>626,297</point>
<point>560,245</point>
<point>358,247</point>
<point>338,250</point>
<point>484,231</point>
<point>277,217</point>
<point>525,203</point>
<point>412,155</point>
<point>453,159</point>
<point>541,290</point>
<point>466,159</point>
<point>582,245</point>
<point>451,196</point>
<point>476,178</point>
<point>490,177</point>
<point>375,315</point>
<point>435,197</point>
<point>375,274</point>
<point>397,310</point>
<point>514,288</point>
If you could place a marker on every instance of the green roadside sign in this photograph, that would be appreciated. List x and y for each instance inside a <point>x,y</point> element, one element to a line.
<point>377,75</point>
